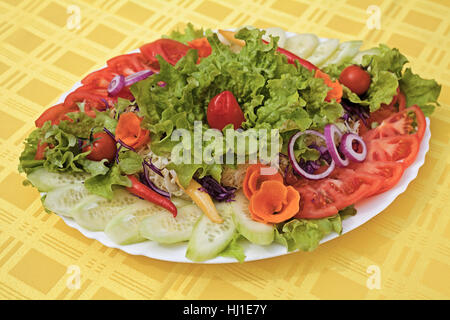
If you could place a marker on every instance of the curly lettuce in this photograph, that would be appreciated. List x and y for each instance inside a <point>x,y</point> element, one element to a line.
<point>272,93</point>
<point>387,71</point>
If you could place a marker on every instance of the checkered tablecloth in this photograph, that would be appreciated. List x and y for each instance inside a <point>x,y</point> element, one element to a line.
<point>46,46</point>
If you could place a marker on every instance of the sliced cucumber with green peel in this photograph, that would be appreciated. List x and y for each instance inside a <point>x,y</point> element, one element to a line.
<point>303,45</point>
<point>323,51</point>
<point>45,180</point>
<point>95,212</point>
<point>208,239</point>
<point>64,199</point>
<point>255,232</point>
<point>124,227</point>
<point>163,227</point>
<point>359,57</point>
<point>346,50</point>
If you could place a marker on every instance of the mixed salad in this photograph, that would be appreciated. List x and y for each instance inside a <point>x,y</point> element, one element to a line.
<point>348,124</point>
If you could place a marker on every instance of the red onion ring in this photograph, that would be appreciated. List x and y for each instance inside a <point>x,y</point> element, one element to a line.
<point>138,76</point>
<point>294,162</point>
<point>116,84</point>
<point>346,147</point>
<point>330,131</point>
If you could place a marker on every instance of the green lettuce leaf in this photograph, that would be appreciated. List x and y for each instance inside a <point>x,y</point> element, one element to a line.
<point>190,33</point>
<point>305,234</point>
<point>234,249</point>
<point>102,185</point>
<point>419,91</point>
<point>130,162</point>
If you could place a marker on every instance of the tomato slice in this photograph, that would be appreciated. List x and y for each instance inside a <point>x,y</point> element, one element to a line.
<point>54,114</point>
<point>388,172</point>
<point>344,187</point>
<point>401,123</point>
<point>93,99</point>
<point>402,149</point>
<point>170,50</point>
<point>127,64</point>
<point>100,78</point>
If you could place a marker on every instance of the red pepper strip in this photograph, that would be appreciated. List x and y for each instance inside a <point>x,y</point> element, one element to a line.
<point>40,151</point>
<point>292,58</point>
<point>141,190</point>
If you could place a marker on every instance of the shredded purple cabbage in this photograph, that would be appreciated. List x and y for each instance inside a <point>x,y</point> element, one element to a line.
<point>109,133</point>
<point>153,167</point>
<point>311,166</point>
<point>355,110</point>
<point>143,177</point>
<point>216,190</point>
<point>80,143</point>
<point>105,102</point>
<point>123,144</point>
<point>117,154</point>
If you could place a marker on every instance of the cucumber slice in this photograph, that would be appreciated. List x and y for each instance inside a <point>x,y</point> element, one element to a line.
<point>208,239</point>
<point>163,227</point>
<point>323,51</point>
<point>255,232</point>
<point>95,212</point>
<point>346,50</point>
<point>359,57</point>
<point>63,200</point>
<point>303,45</point>
<point>124,227</point>
<point>45,180</point>
<point>276,32</point>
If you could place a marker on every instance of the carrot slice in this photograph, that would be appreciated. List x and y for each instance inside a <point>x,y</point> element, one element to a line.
<point>336,88</point>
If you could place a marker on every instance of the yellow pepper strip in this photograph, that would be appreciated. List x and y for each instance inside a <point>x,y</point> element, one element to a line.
<point>229,35</point>
<point>203,200</point>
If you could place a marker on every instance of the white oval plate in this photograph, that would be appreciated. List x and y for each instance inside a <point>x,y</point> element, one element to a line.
<point>367,209</point>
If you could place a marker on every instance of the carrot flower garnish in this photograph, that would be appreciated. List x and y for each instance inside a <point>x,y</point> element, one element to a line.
<point>274,202</point>
<point>253,179</point>
<point>129,130</point>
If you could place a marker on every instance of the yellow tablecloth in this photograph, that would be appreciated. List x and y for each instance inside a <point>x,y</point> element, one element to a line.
<point>43,53</point>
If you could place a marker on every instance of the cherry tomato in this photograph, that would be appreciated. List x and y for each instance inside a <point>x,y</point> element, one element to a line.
<point>356,79</point>
<point>103,147</point>
<point>223,109</point>
<point>170,50</point>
